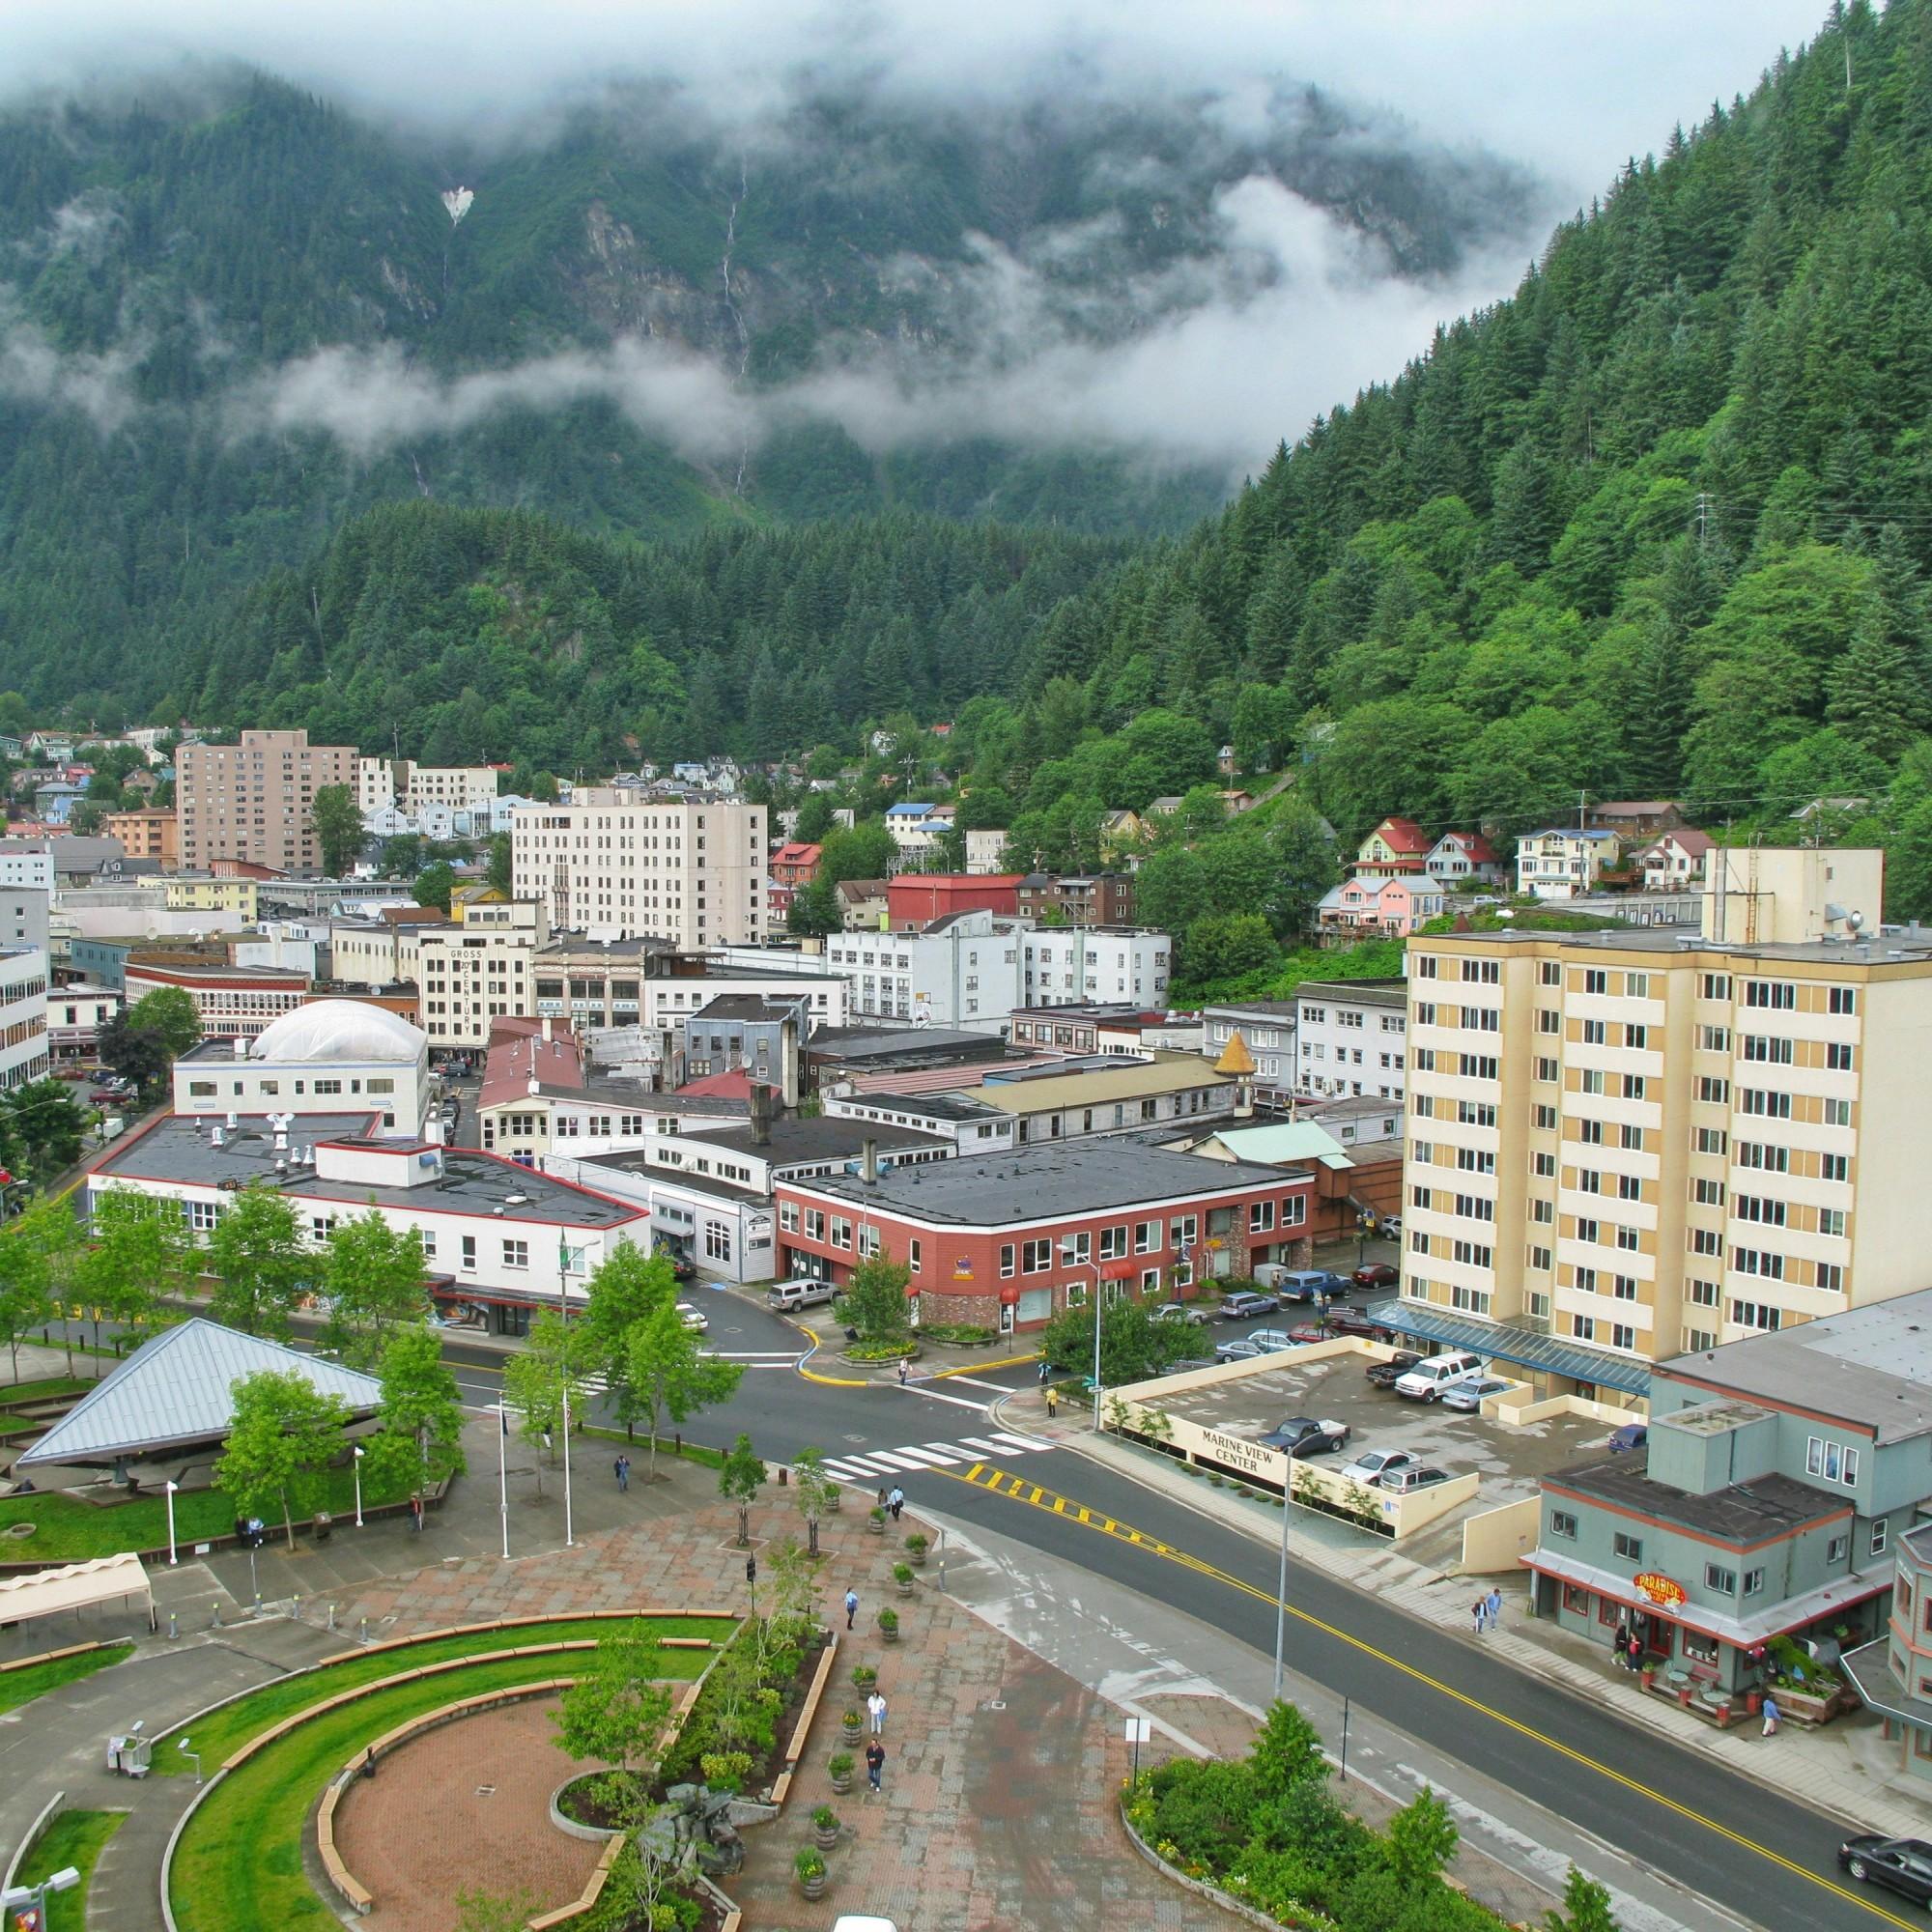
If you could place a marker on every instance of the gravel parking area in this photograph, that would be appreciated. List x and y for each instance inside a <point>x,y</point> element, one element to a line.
<point>1507,1461</point>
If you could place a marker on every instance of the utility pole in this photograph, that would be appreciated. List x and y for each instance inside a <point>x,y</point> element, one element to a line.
<point>1703,519</point>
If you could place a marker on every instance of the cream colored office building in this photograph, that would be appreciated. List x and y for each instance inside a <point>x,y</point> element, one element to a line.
<point>473,970</point>
<point>690,870</point>
<point>1641,1143</point>
<point>256,800</point>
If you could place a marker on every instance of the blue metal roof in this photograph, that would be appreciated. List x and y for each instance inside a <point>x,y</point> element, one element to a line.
<point>1547,1354</point>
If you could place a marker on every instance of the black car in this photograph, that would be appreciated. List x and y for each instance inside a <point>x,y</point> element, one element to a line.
<point>682,1267</point>
<point>1903,1865</point>
<point>1386,1374</point>
<point>1305,1435</point>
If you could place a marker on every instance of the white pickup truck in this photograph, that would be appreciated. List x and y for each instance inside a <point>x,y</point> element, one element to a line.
<point>800,1292</point>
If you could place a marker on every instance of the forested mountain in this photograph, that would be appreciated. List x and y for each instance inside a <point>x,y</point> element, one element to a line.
<point>1658,525</point>
<point>231,318</point>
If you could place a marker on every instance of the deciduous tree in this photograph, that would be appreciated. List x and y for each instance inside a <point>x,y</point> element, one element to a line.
<point>338,828</point>
<point>138,1250</point>
<point>740,1478</point>
<point>373,1276</point>
<point>260,1261</point>
<point>669,1376</point>
<point>421,1410</point>
<point>285,1434</point>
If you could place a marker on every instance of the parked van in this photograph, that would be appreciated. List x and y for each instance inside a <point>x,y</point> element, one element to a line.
<point>1426,1381</point>
<point>800,1292</point>
<point>1305,1284</point>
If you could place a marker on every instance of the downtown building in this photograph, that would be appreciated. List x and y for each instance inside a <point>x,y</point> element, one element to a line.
<point>256,800</point>
<point>690,870</point>
<point>1629,1145</point>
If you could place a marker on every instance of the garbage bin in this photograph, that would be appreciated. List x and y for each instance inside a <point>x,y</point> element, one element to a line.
<point>325,1525</point>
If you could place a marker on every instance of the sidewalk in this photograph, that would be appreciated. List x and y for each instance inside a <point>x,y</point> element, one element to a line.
<point>1845,1768</point>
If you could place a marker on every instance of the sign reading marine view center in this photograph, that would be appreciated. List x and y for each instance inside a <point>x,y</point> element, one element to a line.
<point>1250,1458</point>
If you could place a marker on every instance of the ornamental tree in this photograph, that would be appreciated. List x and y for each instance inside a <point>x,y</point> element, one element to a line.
<point>285,1434</point>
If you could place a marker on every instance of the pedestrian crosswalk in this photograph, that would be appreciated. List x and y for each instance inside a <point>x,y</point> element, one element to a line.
<point>912,1459</point>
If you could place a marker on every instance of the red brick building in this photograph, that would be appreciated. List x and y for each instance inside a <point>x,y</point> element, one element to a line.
<point>918,898</point>
<point>985,1238</point>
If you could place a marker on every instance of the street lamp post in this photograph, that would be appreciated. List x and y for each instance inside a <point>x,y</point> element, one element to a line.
<point>503,1473</point>
<point>169,1490</point>
<point>357,1465</point>
<point>563,1315</point>
<point>25,1898</point>
<point>1281,1582</point>
<point>1070,1254</point>
<point>182,1747</point>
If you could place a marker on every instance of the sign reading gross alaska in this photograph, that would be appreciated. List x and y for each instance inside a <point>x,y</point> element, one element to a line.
<point>1249,1456</point>
<point>1661,1590</point>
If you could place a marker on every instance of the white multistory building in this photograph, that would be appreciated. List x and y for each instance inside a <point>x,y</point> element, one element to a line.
<point>23,1016</point>
<point>691,870</point>
<point>1064,966</point>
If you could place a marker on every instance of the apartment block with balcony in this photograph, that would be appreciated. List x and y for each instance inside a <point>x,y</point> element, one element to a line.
<point>1628,1145</point>
<point>690,870</point>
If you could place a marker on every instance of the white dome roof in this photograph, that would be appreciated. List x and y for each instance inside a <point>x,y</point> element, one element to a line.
<point>346,1030</point>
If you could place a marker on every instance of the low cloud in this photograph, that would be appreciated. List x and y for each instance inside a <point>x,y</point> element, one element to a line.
<point>1234,350</point>
<point>34,370</point>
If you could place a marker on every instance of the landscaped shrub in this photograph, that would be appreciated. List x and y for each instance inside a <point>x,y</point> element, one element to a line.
<point>961,1334</point>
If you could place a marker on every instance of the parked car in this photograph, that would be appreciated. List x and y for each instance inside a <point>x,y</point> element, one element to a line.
<point>1376,1274</point>
<point>1236,1351</point>
<point>1182,1311</point>
<point>104,1097</point>
<point>1272,1341</point>
<point>1470,1396</point>
<point>72,1073</point>
<point>1375,1464</point>
<point>1333,1322</point>
<point>1631,1436</point>
<point>1391,1227</point>
<point>800,1292</point>
<point>1306,1436</point>
<point>693,1317</point>
<point>1242,1307</point>
<point>682,1267</point>
<point>1903,1865</point>
<point>1435,1374</point>
<point>1420,1476</point>
<point>1307,1284</point>
<point>1386,1374</point>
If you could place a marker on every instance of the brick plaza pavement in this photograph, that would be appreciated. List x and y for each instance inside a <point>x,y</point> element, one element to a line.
<point>1001,1775</point>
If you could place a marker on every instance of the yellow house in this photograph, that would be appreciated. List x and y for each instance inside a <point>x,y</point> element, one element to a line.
<point>201,892</point>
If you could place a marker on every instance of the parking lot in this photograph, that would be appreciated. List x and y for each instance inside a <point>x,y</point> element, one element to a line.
<point>1508,1463</point>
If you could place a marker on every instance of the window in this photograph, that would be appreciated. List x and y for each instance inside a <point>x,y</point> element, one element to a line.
<point>1780,995</point>
<point>1832,1277</point>
<point>1543,1165</point>
<point>516,1254</point>
<point>1549,972</point>
<point>1548,1020</point>
<point>1540,1260</point>
<point>1881,1535</point>
<point>1771,1052</point>
<point>913,1254</point>
<point>1035,1257</point>
<point>1759,1262</point>
<point>1544,1117</point>
<point>1474,1253</point>
<point>1007,1258</point>
<point>1832,1462</point>
<point>1755,1315</point>
<point>1563,1523</point>
<point>1714,1039</point>
<point>1596,980</point>
<point>718,1240</point>
<point>1838,1549</point>
<point>1624,1287</point>
<point>1719,1580</point>
<point>1832,1221</point>
<point>1622,1335</point>
<point>1628,1548</point>
<point>1542,1212</point>
<point>1833,1167</point>
<point>788,1216</point>
<point>1146,1237</point>
<point>1260,1216</point>
<point>1714,1093</point>
<point>842,1232</point>
<point>470,1251</point>
<point>1759,1100</point>
<point>1837,1113</point>
<point>1589,1230</point>
<point>1545,1069</point>
<point>1842,1000</point>
<point>1838,1056</point>
<point>1112,1242</point>
<point>1714,986</point>
<point>1753,1582</point>
<point>1631,1188</point>
<point>1758,1207</point>
<point>1596,1032</point>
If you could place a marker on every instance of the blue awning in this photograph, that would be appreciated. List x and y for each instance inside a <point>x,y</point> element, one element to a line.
<point>1546,1355</point>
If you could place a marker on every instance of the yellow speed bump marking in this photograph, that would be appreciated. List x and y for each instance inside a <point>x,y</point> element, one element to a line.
<point>983,1475</point>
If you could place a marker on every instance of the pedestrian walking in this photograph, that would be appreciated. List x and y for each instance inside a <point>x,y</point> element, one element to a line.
<point>1772,1717</point>
<point>1042,1371</point>
<point>623,1472</point>
<point>903,1371</point>
<point>895,1503</point>
<point>1634,1651</point>
<point>1495,1601</point>
<point>1480,1611</point>
<point>884,1498</point>
<point>1052,1403</point>
<point>751,1570</point>
<point>415,1515</point>
<point>875,1764</point>
<point>851,1606</point>
<point>876,1709</point>
<point>1620,1645</point>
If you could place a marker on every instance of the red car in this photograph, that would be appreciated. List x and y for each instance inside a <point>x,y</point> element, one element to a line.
<point>1376,1274</point>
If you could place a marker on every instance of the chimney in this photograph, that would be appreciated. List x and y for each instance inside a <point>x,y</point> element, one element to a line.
<point>868,1161</point>
<point>546,1032</point>
<point>788,1043</point>
<point>761,1115</point>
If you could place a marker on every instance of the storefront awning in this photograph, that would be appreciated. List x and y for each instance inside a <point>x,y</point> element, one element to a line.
<point>1498,1340</point>
<point>1773,1620</point>
<point>1870,1671</point>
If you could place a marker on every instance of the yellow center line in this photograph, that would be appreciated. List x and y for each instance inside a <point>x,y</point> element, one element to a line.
<point>998,1481</point>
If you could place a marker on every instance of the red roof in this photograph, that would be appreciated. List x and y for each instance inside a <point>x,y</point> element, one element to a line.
<point>736,1085</point>
<point>1474,847</point>
<point>795,854</point>
<point>1403,834</point>
<point>517,1051</point>
<point>1694,842</point>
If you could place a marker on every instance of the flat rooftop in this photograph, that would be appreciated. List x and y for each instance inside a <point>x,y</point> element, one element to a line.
<point>1363,992</point>
<point>177,1150</point>
<point>864,1042</point>
<point>1769,1506</point>
<point>1870,1366</point>
<point>953,1107</point>
<point>824,1137</point>
<point>1044,1089</point>
<point>1034,1184</point>
<point>1912,946</point>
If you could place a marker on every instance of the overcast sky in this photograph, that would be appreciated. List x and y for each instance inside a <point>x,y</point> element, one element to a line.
<point>1572,89</point>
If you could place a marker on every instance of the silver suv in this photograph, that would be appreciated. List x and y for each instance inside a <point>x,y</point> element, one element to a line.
<point>800,1292</point>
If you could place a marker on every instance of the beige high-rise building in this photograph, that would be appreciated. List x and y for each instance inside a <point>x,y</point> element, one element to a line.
<point>691,870</point>
<point>474,969</point>
<point>1639,1143</point>
<point>256,800</point>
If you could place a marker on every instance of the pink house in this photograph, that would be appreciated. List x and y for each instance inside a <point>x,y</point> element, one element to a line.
<point>1390,908</point>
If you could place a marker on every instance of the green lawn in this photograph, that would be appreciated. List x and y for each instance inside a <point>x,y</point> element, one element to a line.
<point>219,1734</point>
<point>67,1531</point>
<point>239,1863</point>
<point>75,1838</point>
<point>35,1680</point>
<point>34,1391</point>
<point>692,1452</point>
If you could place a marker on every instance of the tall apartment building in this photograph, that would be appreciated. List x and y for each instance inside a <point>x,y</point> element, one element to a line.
<point>256,800</point>
<point>1631,1145</point>
<point>23,1016</point>
<point>381,782</point>
<point>476,968</point>
<point>691,870</point>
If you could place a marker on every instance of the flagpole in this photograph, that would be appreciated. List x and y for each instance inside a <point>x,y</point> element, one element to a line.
<point>503,1473</point>
<point>563,1315</point>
